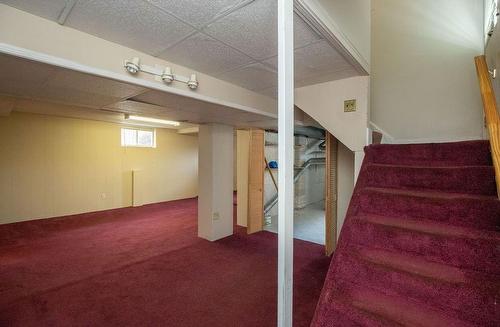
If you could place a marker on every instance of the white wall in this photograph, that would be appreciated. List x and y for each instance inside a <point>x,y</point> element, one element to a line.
<point>242,154</point>
<point>345,182</point>
<point>52,166</point>
<point>353,18</point>
<point>424,85</point>
<point>325,103</point>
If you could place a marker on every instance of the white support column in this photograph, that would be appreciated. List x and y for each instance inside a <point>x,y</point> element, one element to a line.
<point>215,181</point>
<point>285,161</point>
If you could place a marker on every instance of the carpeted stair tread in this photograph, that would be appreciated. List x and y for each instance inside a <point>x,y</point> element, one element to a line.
<point>429,226</point>
<point>471,253</point>
<point>468,298</point>
<point>344,314</point>
<point>477,211</point>
<point>420,245</point>
<point>419,266</point>
<point>397,309</point>
<point>472,153</point>
<point>458,179</point>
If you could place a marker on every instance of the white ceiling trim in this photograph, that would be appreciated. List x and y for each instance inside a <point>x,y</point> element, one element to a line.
<point>68,64</point>
<point>314,15</point>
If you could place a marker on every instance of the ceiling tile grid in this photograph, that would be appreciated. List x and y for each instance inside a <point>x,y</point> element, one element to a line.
<point>195,12</point>
<point>206,54</point>
<point>234,40</point>
<point>254,77</point>
<point>49,9</point>
<point>253,30</point>
<point>133,23</point>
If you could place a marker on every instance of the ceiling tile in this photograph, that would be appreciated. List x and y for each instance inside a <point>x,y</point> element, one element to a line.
<point>49,9</point>
<point>318,60</point>
<point>253,30</point>
<point>17,70</point>
<point>135,107</point>
<point>205,54</point>
<point>270,92</point>
<point>196,12</point>
<point>253,77</point>
<point>133,23</point>
<point>93,84</point>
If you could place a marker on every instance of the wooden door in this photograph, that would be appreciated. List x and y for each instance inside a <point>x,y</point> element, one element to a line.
<point>331,194</point>
<point>256,168</point>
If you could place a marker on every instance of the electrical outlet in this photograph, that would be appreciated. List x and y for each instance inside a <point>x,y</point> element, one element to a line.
<point>216,216</point>
<point>103,196</point>
<point>350,105</point>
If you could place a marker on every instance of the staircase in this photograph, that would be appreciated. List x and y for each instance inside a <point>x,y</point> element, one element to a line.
<point>421,242</point>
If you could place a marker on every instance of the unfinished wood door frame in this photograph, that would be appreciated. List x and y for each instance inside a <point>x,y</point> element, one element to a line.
<point>256,169</point>
<point>331,193</point>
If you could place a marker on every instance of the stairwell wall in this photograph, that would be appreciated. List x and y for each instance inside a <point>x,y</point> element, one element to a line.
<point>423,79</point>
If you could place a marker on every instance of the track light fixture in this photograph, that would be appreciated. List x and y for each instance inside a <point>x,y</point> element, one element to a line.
<point>133,66</point>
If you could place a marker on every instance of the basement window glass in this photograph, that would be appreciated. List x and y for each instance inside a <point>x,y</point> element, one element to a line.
<point>138,138</point>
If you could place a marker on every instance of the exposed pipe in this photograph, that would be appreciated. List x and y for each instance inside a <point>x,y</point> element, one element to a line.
<point>307,131</point>
<point>311,162</point>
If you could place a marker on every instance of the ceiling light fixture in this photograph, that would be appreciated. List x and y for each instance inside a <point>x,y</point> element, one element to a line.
<point>193,82</point>
<point>152,120</point>
<point>133,65</point>
<point>167,75</point>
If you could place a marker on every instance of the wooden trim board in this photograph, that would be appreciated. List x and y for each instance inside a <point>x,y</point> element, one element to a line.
<point>256,169</point>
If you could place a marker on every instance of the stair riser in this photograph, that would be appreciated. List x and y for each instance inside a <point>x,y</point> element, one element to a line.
<point>346,316</point>
<point>463,253</point>
<point>470,303</point>
<point>458,212</point>
<point>469,180</point>
<point>402,309</point>
<point>462,154</point>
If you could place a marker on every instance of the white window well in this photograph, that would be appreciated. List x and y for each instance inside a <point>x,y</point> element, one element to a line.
<point>138,138</point>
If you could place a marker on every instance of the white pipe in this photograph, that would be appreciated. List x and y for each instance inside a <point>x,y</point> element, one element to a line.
<point>285,158</point>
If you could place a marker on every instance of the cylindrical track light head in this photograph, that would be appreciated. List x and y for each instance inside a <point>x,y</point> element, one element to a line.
<point>167,75</point>
<point>133,65</point>
<point>193,82</point>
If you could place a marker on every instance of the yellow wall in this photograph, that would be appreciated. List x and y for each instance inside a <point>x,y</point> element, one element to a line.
<point>52,166</point>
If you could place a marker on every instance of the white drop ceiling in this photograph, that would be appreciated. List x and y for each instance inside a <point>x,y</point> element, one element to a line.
<point>234,40</point>
<point>26,79</point>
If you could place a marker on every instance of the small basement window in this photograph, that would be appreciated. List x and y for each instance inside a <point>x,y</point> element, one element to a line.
<point>138,138</point>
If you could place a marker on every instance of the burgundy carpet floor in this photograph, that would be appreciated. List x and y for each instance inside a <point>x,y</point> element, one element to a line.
<point>421,242</point>
<point>146,267</point>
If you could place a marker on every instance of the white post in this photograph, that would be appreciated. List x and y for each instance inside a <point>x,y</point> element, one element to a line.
<point>215,185</point>
<point>285,161</point>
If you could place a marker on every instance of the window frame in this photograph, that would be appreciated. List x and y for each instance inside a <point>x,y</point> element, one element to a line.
<point>137,130</point>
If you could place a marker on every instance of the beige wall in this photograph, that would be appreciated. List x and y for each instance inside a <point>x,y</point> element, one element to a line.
<point>493,58</point>
<point>52,166</point>
<point>424,85</point>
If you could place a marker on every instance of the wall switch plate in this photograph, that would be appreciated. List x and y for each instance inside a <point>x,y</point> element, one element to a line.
<point>350,105</point>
